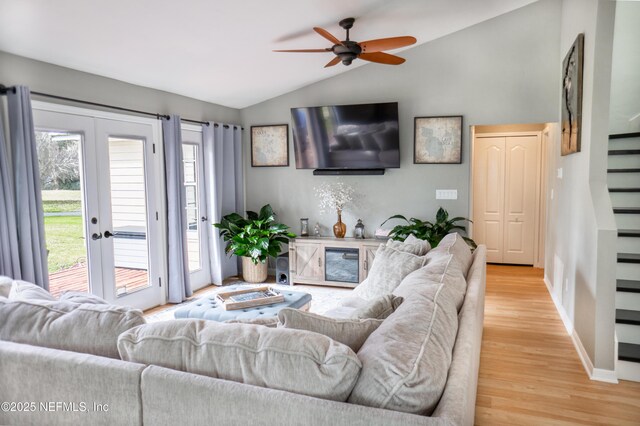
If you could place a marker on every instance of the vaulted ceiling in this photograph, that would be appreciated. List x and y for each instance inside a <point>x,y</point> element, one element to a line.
<point>220,51</point>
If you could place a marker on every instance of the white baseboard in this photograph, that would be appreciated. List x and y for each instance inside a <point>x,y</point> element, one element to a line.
<point>598,374</point>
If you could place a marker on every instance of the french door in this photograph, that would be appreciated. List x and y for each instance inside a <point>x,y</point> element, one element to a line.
<point>99,176</point>
<point>198,224</point>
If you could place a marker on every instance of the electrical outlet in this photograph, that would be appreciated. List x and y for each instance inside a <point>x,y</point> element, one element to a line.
<point>446,194</point>
<point>560,173</point>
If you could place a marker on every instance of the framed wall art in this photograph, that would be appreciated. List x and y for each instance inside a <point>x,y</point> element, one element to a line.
<point>270,146</point>
<point>572,97</point>
<point>437,140</point>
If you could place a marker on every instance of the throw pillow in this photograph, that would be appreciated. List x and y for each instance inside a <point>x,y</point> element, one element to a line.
<point>82,297</point>
<point>405,362</point>
<point>389,267</point>
<point>411,245</point>
<point>5,286</point>
<point>351,332</point>
<point>277,358</point>
<point>379,308</point>
<point>91,329</point>
<point>22,290</point>
<point>455,245</point>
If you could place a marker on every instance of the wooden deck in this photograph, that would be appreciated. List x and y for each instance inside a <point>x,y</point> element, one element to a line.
<point>76,279</point>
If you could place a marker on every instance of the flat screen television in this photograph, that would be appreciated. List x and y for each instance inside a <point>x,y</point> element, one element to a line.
<point>347,137</point>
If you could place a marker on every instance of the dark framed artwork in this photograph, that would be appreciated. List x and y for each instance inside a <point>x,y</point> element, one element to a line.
<point>270,146</point>
<point>572,97</point>
<point>437,140</point>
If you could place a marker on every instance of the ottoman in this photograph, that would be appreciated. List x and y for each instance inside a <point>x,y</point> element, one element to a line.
<point>210,308</point>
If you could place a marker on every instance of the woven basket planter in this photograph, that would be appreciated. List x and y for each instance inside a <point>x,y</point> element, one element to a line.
<point>254,273</point>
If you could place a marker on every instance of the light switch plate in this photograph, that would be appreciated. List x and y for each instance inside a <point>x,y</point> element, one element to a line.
<point>446,194</point>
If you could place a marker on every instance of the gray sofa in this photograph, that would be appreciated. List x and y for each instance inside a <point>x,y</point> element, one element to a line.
<point>51,386</point>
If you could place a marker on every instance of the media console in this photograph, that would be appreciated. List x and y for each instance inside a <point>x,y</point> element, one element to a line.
<point>339,262</point>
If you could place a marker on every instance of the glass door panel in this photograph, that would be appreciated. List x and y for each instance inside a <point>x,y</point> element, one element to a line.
<point>128,214</point>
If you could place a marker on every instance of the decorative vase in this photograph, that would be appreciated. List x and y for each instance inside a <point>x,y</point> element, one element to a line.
<point>253,273</point>
<point>339,229</point>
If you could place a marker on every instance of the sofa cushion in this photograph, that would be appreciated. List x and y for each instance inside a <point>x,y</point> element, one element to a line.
<point>277,358</point>
<point>351,332</point>
<point>453,244</point>
<point>5,286</point>
<point>378,308</point>
<point>411,245</point>
<point>92,329</point>
<point>82,297</point>
<point>267,322</point>
<point>22,290</point>
<point>389,267</point>
<point>406,360</point>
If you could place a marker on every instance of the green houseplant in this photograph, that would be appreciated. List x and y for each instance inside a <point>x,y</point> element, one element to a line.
<point>254,239</point>
<point>425,230</point>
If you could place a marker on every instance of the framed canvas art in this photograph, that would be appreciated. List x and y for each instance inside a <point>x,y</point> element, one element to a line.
<point>572,97</point>
<point>270,146</point>
<point>438,140</point>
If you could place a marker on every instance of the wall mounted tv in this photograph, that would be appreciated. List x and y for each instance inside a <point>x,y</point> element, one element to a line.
<point>346,137</point>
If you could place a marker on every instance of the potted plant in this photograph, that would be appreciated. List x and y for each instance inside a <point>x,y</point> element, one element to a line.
<point>254,239</point>
<point>425,230</point>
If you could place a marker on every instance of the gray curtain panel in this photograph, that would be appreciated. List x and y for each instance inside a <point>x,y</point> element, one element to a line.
<point>28,198</point>
<point>9,257</point>
<point>179,284</point>
<point>225,189</point>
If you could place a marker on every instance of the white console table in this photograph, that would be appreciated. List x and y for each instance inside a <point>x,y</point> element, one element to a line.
<point>339,262</point>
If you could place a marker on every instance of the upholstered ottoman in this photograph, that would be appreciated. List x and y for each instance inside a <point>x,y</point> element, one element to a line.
<point>210,308</point>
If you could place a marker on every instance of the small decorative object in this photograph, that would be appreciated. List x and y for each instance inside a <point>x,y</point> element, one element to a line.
<point>437,140</point>
<point>316,229</point>
<point>382,234</point>
<point>335,196</point>
<point>270,146</point>
<point>304,227</point>
<point>360,229</point>
<point>572,97</point>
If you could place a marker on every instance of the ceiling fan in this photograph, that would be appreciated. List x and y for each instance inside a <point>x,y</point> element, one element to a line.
<point>346,51</point>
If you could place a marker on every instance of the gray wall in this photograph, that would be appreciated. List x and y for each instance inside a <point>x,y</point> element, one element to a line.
<point>501,71</point>
<point>52,79</point>
<point>581,230</point>
<point>625,84</point>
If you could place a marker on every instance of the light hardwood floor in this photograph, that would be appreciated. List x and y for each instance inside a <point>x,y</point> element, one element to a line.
<point>530,373</point>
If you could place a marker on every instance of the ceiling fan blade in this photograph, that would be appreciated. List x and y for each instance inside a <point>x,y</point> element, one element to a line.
<point>326,34</point>
<point>333,62</point>
<point>382,58</point>
<point>386,44</point>
<point>305,50</point>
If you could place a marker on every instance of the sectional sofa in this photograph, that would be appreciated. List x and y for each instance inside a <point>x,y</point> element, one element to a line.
<point>400,378</point>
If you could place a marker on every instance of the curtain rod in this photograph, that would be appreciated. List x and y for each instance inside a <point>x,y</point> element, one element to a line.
<point>4,90</point>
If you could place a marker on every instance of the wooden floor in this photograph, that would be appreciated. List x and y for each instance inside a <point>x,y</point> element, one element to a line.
<point>75,278</point>
<point>530,373</point>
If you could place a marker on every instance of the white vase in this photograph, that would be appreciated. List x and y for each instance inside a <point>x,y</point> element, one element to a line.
<point>253,273</point>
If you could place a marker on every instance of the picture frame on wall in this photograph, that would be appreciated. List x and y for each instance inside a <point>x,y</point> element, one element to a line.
<point>270,145</point>
<point>437,140</point>
<point>571,119</point>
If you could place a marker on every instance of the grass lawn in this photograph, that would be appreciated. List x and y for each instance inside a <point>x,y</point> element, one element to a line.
<point>57,206</point>
<point>65,241</point>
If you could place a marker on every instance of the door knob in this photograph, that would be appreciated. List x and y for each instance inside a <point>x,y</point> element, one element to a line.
<point>203,218</point>
<point>96,236</point>
<point>108,234</point>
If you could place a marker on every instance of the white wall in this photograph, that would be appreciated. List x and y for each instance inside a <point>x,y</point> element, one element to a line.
<point>581,231</point>
<point>55,80</point>
<point>501,71</point>
<point>625,81</point>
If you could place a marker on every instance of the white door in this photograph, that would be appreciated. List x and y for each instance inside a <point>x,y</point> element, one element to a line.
<point>506,189</point>
<point>100,186</point>
<point>198,225</point>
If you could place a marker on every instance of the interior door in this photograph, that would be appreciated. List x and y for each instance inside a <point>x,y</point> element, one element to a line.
<point>129,213</point>
<point>197,221</point>
<point>521,191</point>
<point>488,195</point>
